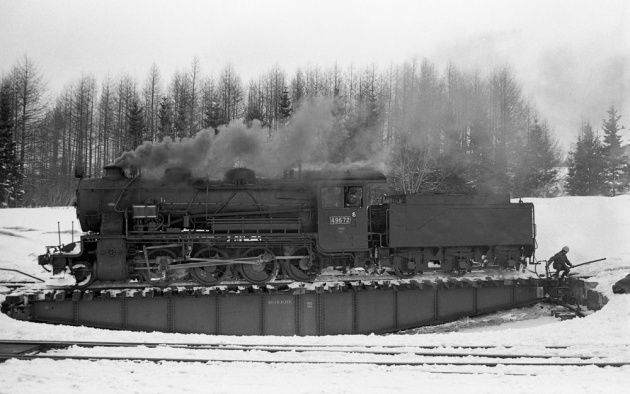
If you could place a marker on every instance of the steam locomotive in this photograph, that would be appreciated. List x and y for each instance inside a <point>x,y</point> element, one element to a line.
<point>183,229</point>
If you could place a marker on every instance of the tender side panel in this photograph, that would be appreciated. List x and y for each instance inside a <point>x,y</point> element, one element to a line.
<point>457,199</point>
<point>460,225</point>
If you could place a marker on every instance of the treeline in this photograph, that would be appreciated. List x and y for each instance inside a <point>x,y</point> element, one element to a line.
<point>599,166</point>
<point>435,130</point>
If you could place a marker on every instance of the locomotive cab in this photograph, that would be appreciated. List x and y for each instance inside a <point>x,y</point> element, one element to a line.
<point>342,212</point>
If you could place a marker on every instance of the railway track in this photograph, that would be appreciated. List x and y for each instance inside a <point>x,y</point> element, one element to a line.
<point>222,345</point>
<point>482,356</point>
<point>16,285</point>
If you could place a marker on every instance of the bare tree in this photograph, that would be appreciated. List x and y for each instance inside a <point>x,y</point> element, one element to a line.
<point>230,93</point>
<point>29,104</point>
<point>152,93</point>
<point>413,164</point>
<point>180,94</point>
<point>194,76</point>
<point>106,106</point>
<point>298,87</point>
<point>126,91</point>
<point>84,93</point>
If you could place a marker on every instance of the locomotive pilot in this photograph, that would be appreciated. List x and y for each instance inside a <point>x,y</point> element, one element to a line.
<point>560,263</point>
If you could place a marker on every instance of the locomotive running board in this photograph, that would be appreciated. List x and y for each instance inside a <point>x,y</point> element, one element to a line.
<point>344,308</point>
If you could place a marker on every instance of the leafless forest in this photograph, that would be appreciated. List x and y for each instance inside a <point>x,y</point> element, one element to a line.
<point>430,129</point>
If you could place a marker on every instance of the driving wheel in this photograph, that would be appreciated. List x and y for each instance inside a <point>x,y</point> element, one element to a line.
<point>156,273</point>
<point>263,269</point>
<point>210,275</point>
<point>304,269</point>
<point>83,274</point>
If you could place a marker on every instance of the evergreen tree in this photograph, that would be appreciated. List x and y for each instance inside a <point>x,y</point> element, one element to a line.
<point>535,173</point>
<point>181,124</point>
<point>616,165</point>
<point>362,124</point>
<point>165,122</point>
<point>214,114</point>
<point>298,86</point>
<point>254,108</point>
<point>286,108</point>
<point>136,123</point>
<point>252,113</point>
<point>480,171</point>
<point>336,139</point>
<point>10,175</point>
<point>586,165</point>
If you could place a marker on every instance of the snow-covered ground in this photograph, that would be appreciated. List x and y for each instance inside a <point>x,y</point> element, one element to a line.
<point>593,227</point>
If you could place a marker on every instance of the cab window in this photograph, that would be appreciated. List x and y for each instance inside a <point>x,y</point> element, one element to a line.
<point>332,197</point>
<point>353,196</point>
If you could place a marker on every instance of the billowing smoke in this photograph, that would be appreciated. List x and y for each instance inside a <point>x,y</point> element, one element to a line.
<point>307,139</point>
<point>154,158</point>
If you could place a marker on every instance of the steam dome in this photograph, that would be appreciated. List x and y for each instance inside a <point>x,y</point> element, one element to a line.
<point>240,176</point>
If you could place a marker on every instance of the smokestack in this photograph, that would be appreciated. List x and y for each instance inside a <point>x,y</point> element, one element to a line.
<point>113,173</point>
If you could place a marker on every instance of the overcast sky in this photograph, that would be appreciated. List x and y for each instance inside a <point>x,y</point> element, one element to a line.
<point>571,56</point>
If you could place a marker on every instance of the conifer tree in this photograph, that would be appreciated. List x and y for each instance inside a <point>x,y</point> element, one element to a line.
<point>254,109</point>
<point>252,113</point>
<point>10,175</point>
<point>181,124</point>
<point>286,108</point>
<point>586,165</point>
<point>535,173</point>
<point>335,140</point>
<point>136,123</point>
<point>616,165</point>
<point>480,170</point>
<point>165,122</point>
<point>214,115</point>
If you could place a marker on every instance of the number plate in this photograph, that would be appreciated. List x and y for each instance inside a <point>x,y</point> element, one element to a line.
<point>340,220</point>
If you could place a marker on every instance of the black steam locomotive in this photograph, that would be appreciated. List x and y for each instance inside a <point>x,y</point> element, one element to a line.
<point>182,229</point>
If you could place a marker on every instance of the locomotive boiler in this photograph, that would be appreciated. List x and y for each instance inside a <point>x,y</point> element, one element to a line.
<point>180,229</point>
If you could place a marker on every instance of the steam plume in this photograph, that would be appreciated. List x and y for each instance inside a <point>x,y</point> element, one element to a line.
<point>306,139</point>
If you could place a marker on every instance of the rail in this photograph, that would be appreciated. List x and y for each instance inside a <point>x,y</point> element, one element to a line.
<point>30,350</point>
